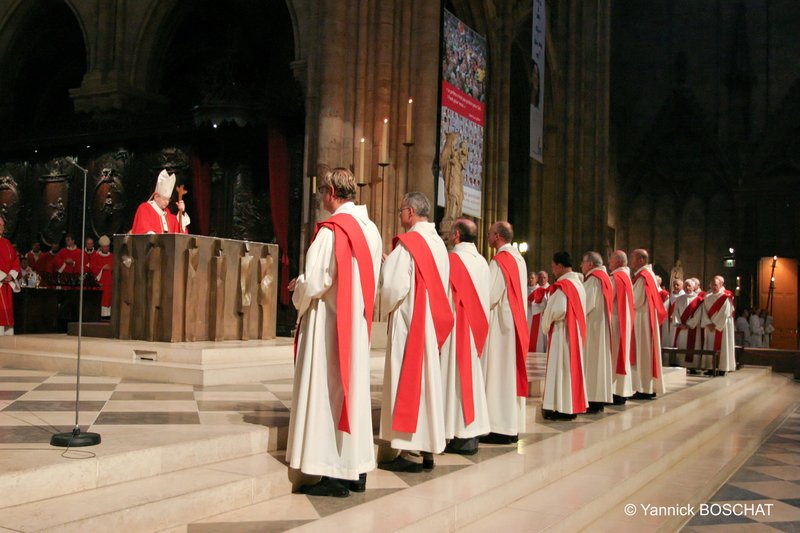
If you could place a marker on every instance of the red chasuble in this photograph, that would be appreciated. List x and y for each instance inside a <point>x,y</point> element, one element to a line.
<point>38,264</point>
<point>575,322</point>
<point>470,318</point>
<point>624,294</point>
<point>8,261</point>
<point>427,283</point>
<point>61,258</point>
<point>96,263</point>
<point>349,243</point>
<point>536,296</point>
<point>508,266</point>
<point>147,219</point>
<point>657,313</point>
<point>691,334</point>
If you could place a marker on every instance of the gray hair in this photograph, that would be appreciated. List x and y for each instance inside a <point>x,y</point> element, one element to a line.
<point>594,258</point>
<point>418,202</point>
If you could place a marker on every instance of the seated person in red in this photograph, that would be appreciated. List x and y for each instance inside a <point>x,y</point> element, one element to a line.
<point>68,259</point>
<point>37,260</point>
<point>153,216</point>
<point>101,264</point>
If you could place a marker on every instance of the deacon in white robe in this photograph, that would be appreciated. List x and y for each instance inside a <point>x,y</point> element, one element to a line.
<point>718,321</point>
<point>501,359</point>
<point>621,325</point>
<point>397,291</point>
<point>463,436</point>
<point>317,444</point>
<point>668,327</point>
<point>599,300</point>
<point>687,316</point>
<point>564,385</point>
<point>649,312</point>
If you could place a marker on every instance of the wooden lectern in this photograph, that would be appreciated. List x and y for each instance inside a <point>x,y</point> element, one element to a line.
<point>175,288</point>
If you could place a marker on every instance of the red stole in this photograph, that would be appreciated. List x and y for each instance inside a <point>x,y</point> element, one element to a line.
<point>536,296</point>
<point>657,313</point>
<point>624,295</point>
<point>508,266</point>
<point>427,283</point>
<point>575,322</point>
<point>664,295</point>
<point>691,334</point>
<point>470,317</point>
<point>715,307</point>
<point>608,297</point>
<point>349,243</point>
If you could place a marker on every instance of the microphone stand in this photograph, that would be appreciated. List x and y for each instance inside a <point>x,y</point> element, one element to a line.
<point>76,437</point>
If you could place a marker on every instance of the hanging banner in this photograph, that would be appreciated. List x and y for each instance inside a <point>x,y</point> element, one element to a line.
<point>462,119</point>
<point>537,81</point>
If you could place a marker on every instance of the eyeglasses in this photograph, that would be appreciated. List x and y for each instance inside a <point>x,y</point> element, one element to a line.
<point>399,211</point>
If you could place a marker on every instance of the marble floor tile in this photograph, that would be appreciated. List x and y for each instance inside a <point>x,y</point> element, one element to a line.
<point>139,386</point>
<point>61,378</point>
<point>130,406</point>
<point>29,434</point>
<point>242,387</point>
<point>109,418</point>
<point>252,406</point>
<point>10,395</point>
<point>71,387</point>
<point>46,418</point>
<point>65,395</point>
<point>786,472</point>
<point>272,526</point>
<point>237,396</point>
<point>771,489</point>
<point>153,395</point>
<point>65,405</point>
<point>788,458</point>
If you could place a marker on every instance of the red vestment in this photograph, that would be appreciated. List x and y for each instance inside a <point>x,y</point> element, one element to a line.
<point>147,219</point>
<point>9,262</point>
<point>75,254</point>
<point>97,261</point>
<point>40,263</point>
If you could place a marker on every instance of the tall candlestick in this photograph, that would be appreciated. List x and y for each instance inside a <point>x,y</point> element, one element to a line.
<point>361,176</point>
<point>385,143</point>
<point>410,122</point>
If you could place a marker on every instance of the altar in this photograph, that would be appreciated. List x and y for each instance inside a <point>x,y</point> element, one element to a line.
<point>177,288</point>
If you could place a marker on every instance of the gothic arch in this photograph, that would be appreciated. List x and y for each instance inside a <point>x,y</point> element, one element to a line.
<point>18,17</point>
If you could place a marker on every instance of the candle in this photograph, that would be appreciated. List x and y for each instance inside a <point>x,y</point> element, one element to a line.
<point>385,144</point>
<point>313,184</point>
<point>410,122</point>
<point>361,156</point>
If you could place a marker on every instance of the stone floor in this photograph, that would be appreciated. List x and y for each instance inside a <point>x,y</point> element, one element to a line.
<point>35,404</point>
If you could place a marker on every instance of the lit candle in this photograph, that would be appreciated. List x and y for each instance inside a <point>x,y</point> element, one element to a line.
<point>410,122</point>
<point>361,155</point>
<point>385,144</point>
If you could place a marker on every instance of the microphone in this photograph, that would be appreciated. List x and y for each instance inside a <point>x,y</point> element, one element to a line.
<point>72,161</point>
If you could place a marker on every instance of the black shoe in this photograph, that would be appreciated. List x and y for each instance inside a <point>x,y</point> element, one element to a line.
<point>709,372</point>
<point>555,415</point>
<point>693,371</point>
<point>427,464</point>
<point>358,486</point>
<point>401,464</point>
<point>595,407</point>
<point>643,396</point>
<point>498,438</point>
<point>620,400</point>
<point>326,487</point>
<point>462,446</point>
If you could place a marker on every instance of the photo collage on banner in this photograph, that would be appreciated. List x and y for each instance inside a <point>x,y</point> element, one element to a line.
<point>462,119</point>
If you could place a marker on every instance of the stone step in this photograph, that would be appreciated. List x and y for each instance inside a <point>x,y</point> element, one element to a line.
<point>157,502</point>
<point>696,479</point>
<point>464,497</point>
<point>127,453</point>
<point>586,495</point>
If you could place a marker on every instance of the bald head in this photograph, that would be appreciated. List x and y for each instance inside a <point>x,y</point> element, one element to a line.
<point>501,233</point>
<point>618,259</point>
<point>639,258</point>
<point>463,230</point>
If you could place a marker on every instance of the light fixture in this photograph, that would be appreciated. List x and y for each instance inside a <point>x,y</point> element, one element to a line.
<point>523,247</point>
